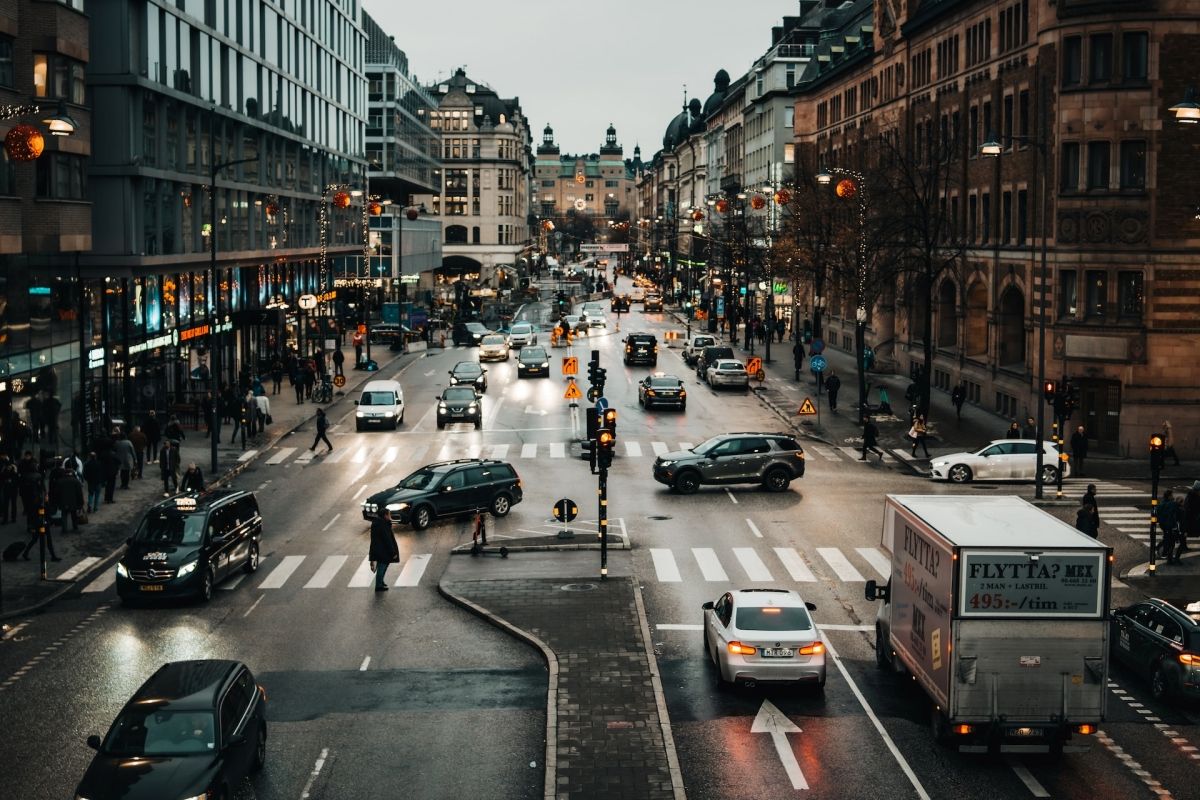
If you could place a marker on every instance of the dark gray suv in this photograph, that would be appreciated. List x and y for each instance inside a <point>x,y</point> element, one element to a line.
<point>772,459</point>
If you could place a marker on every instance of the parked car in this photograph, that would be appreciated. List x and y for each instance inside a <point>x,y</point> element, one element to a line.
<point>691,350</point>
<point>469,333</point>
<point>522,334</point>
<point>533,361</point>
<point>653,302</point>
<point>493,347</point>
<point>771,459</point>
<point>757,636</point>
<point>1160,643</point>
<point>710,354</point>
<point>449,488</point>
<point>1002,460</point>
<point>727,372</point>
<point>662,390</point>
<point>641,348</point>
<point>469,373</point>
<point>195,729</point>
<point>185,546</point>
<point>459,404</point>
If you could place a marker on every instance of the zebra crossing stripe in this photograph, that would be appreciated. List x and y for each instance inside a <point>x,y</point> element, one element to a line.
<point>360,456</point>
<point>876,559</point>
<point>280,574</point>
<point>823,453</point>
<point>710,565</point>
<point>326,572</point>
<point>336,455</point>
<point>529,451</point>
<point>305,456</point>
<point>246,456</point>
<point>558,450</point>
<point>414,568</point>
<point>390,454</point>
<point>281,455</point>
<point>80,568</point>
<point>659,448</point>
<point>363,576</point>
<point>499,451</point>
<point>840,565</point>
<point>633,450</point>
<point>101,583</point>
<point>755,569</point>
<point>664,565</point>
<point>794,564</point>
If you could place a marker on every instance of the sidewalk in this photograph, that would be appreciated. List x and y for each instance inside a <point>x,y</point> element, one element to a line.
<point>91,549</point>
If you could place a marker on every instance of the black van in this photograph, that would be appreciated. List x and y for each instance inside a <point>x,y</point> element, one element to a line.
<point>186,545</point>
<point>708,355</point>
<point>641,348</point>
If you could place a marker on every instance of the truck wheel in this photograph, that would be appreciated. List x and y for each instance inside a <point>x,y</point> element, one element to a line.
<point>960,473</point>
<point>883,659</point>
<point>938,725</point>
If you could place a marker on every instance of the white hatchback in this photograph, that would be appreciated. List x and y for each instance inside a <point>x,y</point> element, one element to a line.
<point>521,334</point>
<point>493,347</point>
<point>763,636</point>
<point>1002,460</point>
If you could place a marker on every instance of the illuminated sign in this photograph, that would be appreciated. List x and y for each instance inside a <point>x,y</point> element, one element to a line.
<point>150,344</point>
<point>43,290</point>
<point>192,333</point>
<point>95,357</point>
<point>325,297</point>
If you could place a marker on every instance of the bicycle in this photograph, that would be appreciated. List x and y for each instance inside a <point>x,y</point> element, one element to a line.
<point>323,392</point>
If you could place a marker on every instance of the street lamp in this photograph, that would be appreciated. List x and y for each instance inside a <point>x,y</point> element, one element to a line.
<point>1187,111</point>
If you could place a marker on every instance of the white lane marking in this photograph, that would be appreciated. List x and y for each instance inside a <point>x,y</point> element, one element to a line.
<point>360,456</point>
<point>361,489</point>
<point>382,467</point>
<point>329,524</point>
<point>709,564</point>
<point>624,531</point>
<point>771,720</point>
<point>317,767</point>
<point>246,456</point>
<point>795,564</point>
<point>668,626</point>
<point>664,565</point>
<point>686,445</point>
<point>825,627</point>
<point>499,452</point>
<point>336,455</point>
<point>366,662</point>
<point>756,570</point>
<point>840,564</point>
<point>659,448</point>
<point>305,457</point>
<point>828,455</point>
<point>363,576</point>
<point>281,455</point>
<point>876,559</point>
<point>490,422</point>
<point>731,497</point>
<point>633,450</point>
<point>251,608</point>
<point>106,579</point>
<point>558,450</point>
<point>1031,783</point>
<point>529,451</point>
<point>754,528</point>
<point>280,574</point>
<point>325,573</point>
<point>870,712</point>
<point>390,454</point>
<point>78,569</point>
<point>417,453</point>
<point>414,568</point>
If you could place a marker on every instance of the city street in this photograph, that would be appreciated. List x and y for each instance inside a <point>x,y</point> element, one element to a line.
<point>403,694</point>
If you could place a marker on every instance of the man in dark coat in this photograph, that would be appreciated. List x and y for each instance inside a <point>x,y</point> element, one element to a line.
<point>798,357</point>
<point>93,473</point>
<point>112,468</point>
<point>153,433</point>
<point>870,439</point>
<point>33,526</point>
<point>8,490</point>
<point>128,456</point>
<point>29,482</point>
<point>832,384</point>
<point>193,479</point>
<point>68,496</point>
<point>168,467</point>
<point>384,549</point>
<point>1079,449</point>
<point>322,428</point>
<point>138,438</point>
<point>1169,519</point>
<point>958,397</point>
<point>339,358</point>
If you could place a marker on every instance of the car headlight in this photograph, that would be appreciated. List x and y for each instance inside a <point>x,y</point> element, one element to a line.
<point>389,413</point>
<point>360,413</point>
<point>441,406</point>
<point>122,570</point>
<point>940,463</point>
<point>544,364</point>
<point>204,796</point>
<point>370,508</point>
<point>188,568</point>
<point>473,407</point>
<point>397,506</point>
<point>665,463</point>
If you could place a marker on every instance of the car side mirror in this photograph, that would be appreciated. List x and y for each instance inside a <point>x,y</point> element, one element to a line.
<point>810,606</point>
<point>355,402</point>
<point>237,740</point>
<point>707,606</point>
<point>93,742</point>
<point>985,455</point>
<point>129,540</point>
<point>873,591</point>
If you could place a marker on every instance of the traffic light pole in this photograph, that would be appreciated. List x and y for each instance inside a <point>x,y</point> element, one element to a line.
<point>602,493</point>
<point>1157,456</point>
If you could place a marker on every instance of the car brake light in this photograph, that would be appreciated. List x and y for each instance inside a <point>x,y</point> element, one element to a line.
<point>1086,729</point>
<point>963,729</point>
<point>814,649</point>
<point>800,455</point>
<point>1189,659</point>
<point>739,649</point>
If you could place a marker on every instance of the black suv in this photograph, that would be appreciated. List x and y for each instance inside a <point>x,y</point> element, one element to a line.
<point>187,545</point>
<point>459,404</point>
<point>772,459</point>
<point>641,348</point>
<point>448,488</point>
<point>709,355</point>
<point>468,333</point>
<point>194,729</point>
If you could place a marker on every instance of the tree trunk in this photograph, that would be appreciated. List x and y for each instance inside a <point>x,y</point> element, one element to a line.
<point>923,382</point>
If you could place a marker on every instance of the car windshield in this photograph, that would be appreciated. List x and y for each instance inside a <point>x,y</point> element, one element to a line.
<point>533,354</point>
<point>494,339</point>
<point>665,383</point>
<point>475,327</point>
<point>170,528</point>
<point>459,395</point>
<point>704,447</point>
<point>378,399</point>
<point>466,368</point>
<point>773,618</point>
<point>418,480</point>
<point>156,732</point>
<point>522,328</point>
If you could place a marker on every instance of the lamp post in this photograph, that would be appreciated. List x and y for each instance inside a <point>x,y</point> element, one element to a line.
<point>994,148</point>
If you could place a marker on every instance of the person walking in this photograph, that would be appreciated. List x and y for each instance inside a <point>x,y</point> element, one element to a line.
<point>153,436</point>
<point>276,376</point>
<point>832,384</point>
<point>1079,449</point>
<point>207,408</point>
<point>798,355</point>
<point>168,466</point>
<point>885,401</point>
<point>262,412</point>
<point>322,429</point>
<point>339,358</point>
<point>33,523</point>
<point>1190,518</point>
<point>870,439</point>
<point>919,433</point>
<point>1014,431</point>
<point>384,550</point>
<point>1087,520</point>
<point>780,329</point>
<point>69,498</point>
<point>297,378</point>
<point>174,431</point>
<point>93,475</point>
<point>8,490</point>
<point>128,458</point>
<point>310,378</point>
<point>193,479</point>
<point>111,462</point>
<point>1029,430</point>
<point>138,439</point>
<point>1168,520</point>
<point>1169,443</point>
<point>958,397</point>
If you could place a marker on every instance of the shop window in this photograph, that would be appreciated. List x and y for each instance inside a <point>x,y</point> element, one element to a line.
<point>1130,296</point>
<point>6,62</point>
<point>1068,294</point>
<point>170,300</point>
<point>1098,165</point>
<point>1133,164</point>
<point>1096,293</point>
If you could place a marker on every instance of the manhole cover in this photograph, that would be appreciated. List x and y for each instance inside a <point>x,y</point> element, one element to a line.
<point>658,517</point>
<point>579,587</point>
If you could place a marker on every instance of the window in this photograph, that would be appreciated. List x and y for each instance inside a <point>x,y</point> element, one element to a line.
<point>1100,59</point>
<point>1068,293</point>
<point>1072,68</point>
<point>1006,209</point>
<point>1134,49</point>
<point>548,184</point>
<point>1007,122</point>
<point>789,153</point>
<point>988,126</point>
<point>58,77</point>
<point>986,216</point>
<point>973,130</point>
<point>1022,216</point>
<point>6,62</point>
<point>1133,164</point>
<point>1023,113</point>
<point>61,176</point>
<point>1069,173</point>
<point>1097,166</point>
<point>1129,294</point>
<point>1096,289</point>
<point>972,216</point>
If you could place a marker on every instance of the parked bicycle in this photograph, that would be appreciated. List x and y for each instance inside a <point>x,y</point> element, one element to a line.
<point>323,392</point>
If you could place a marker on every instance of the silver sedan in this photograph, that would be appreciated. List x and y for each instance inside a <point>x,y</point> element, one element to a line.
<point>763,636</point>
<point>727,372</point>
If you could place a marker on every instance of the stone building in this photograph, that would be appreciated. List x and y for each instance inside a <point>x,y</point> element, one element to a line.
<point>596,185</point>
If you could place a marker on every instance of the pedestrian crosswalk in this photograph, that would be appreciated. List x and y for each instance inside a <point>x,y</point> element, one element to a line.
<point>740,564</point>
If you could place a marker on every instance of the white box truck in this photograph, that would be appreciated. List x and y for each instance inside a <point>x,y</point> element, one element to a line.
<point>999,610</point>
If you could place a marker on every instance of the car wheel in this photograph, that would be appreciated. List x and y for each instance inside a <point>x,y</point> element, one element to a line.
<point>960,473</point>
<point>687,482</point>
<point>421,517</point>
<point>707,646</point>
<point>441,425</point>
<point>252,559</point>
<point>777,480</point>
<point>206,585</point>
<point>260,750</point>
<point>1160,688</point>
<point>358,427</point>
<point>478,424</point>
<point>682,407</point>
<point>1049,473</point>
<point>501,505</point>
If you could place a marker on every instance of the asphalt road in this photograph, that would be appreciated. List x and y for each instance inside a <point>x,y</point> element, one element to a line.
<point>401,694</point>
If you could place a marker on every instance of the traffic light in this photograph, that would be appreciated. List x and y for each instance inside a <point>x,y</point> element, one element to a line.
<point>596,374</point>
<point>591,420</point>
<point>1157,451</point>
<point>589,452</point>
<point>610,421</point>
<point>1048,391</point>
<point>606,440</point>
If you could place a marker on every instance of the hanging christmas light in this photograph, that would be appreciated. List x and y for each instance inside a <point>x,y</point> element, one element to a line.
<point>846,188</point>
<point>758,202</point>
<point>24,143</point>
<point>782,197</point>
<point>376,208</point>
<point>722,206</point>
<point>341,200</point>
<point>698,215</point>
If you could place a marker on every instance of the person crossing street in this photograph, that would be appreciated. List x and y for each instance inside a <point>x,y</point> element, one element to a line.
<point>870,439</point>
<point>322,429</point>
<point>384,550</point>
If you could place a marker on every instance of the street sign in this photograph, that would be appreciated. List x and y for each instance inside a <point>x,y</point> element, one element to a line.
<point>807,409</point>
<point>570,365</point>
<point>307,302</point>
<point>601,405</point>
<point>753,365</point>
<point>339,381</point>
<point>572,392</point>
<point>817,363</point>
<point>817,347</point>
<point>593,394</point>
<point>565,510</point>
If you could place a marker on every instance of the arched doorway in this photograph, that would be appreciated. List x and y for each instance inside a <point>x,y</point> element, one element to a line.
<point>1011,324</point>
<point>456,234</point>
<point>976,319</point>
<point>947,319</point>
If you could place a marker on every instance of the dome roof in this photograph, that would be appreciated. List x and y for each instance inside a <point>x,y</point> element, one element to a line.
<point>677,131</point>
<point>697,117</point>
<point>720,88</point>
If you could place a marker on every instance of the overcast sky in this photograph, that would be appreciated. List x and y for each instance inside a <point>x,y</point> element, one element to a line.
<point>581,65</point>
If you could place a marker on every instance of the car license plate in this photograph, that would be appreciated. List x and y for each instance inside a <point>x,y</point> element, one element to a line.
<point>777,652</point>
<point>152,587</point>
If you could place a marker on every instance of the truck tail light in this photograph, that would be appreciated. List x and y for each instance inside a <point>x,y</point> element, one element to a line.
<point>1189,659</point>
<point>963,729</point>
<point>1086,729</point>
<point>739,649</point>
<point>814,649</point>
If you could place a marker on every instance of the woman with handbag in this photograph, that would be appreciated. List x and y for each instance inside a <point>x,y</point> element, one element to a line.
<point>918,434</point>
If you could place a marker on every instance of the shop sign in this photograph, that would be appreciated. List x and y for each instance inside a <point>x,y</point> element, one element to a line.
<point>410,278</point>
<point>150,344</point>
<point>95,357</point>
<point>225,326</point>
<point>325,297</point>
<point>781,287</point>
<point>307,302</point>
<point>193,333</point>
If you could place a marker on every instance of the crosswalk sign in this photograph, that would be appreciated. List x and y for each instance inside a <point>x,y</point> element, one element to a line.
<point>570,365</point>
<point>807,409</point>
<point>572,392</point>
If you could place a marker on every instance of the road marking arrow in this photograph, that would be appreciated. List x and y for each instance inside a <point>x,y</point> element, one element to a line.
<point>537,412</point>
<point>771,720</point>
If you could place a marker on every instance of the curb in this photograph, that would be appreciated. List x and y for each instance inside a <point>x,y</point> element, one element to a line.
<point>1142,571</point>
<point>660,699</point>
<point>550,782</point>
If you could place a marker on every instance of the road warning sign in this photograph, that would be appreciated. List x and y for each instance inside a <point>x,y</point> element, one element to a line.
<point>753,365</point>
<point>807,409</point>
<point>570,365</point>
<point>572,392</point>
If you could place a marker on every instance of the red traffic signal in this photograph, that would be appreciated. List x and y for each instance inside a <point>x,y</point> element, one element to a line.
<point>1048,391</point>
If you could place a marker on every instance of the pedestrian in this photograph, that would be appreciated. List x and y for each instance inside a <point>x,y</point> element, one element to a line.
<point>870,439</point>
<point>798,357</point>
<point>244,419</point>
<point>237,414</point>
<point>885,401</point>
<point>1087,520</point>
<point>111,461</point>
<point>780,329</point>
<point>168,466</point>
<point>1190,518</point>
<point>1089,498</point>
<point>384,550</point>
<point>262,408</point>
<point>127,456</point>
<point>339,358</point>
<point>1168,520</point>
<point>276,376</point>
<point>256,386</point>
<point>310,378</point>
<point>1169,443</point>
<point>8,490</point>
<point>193,479</point>
<point>174,430</point>
<point>153,436</point>
<point>832,384</point>
<point>358,350</point>
<point>34,526</point>
<point>69,498</point>
<point>958,397</point>
<point>322,427</point>
<point>72,462</point>
<point>919,433</point>
<point>1014,431</point>
<point>1079,448</point>
<point>138,438</point>
<point>1029,431</point>
<point>93,475</point>
<point>297,378</point>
